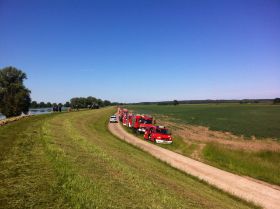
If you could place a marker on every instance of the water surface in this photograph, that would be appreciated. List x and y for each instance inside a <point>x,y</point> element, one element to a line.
<point>35,111</point>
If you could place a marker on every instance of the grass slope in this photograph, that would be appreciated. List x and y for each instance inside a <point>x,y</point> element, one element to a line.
<point>71,161</point>
<point>260,120</point>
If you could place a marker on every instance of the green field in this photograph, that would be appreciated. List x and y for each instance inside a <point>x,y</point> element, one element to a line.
<point>260,120</point>
<point>239,119</point>
<point>71,160</point>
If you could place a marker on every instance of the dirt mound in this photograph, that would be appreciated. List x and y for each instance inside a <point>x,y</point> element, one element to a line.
<point>10,120</point>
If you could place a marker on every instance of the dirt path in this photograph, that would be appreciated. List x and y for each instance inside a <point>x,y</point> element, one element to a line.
<point>261,194</point>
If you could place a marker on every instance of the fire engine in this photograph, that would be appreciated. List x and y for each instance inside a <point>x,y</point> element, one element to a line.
<point>158,134</point>
<point>122,114</point>
<point>135,122</point>
<point>129,120</point>
<point>145,122</point>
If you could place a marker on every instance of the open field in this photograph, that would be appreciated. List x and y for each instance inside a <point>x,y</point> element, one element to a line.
<point>71,160</point>
<point>258,158</point>
<point>260,120</point>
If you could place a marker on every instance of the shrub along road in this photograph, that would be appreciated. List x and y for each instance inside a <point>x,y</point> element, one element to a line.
<point>71,160</point>
<point>261,193</point>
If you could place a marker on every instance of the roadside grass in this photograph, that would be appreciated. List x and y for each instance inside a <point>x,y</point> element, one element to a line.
<point>72,161</point>
<point>253,164</point>
<point>260,120</point>
<point>263,165</point>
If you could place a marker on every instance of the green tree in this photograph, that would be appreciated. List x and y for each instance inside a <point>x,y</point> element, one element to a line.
<point>14,96</point>
<point>42,104</point>
<point>100,102</point>
<point>34,104</point>
<point>107,103</point>
<point>91,100</point>
<point>175,102</point>
<point>49,104</point>
<point>276,101</point>
<point>67,104</point>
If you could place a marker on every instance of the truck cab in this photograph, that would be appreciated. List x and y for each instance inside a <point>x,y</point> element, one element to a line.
<point>158,134</point>
<point>136,120</point>
<point>122,114</point>
<point>145,122</point>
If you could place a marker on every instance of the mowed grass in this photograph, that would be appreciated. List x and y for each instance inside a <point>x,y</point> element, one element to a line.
<point>260,120</point>
<point>71,160</point>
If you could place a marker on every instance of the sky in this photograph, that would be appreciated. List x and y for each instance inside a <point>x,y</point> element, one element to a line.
<point>143,50</point>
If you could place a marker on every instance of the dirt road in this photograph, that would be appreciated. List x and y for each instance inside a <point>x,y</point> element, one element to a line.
<point>260,193</point>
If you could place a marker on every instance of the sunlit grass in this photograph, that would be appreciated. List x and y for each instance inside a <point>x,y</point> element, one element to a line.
<point>263,165</point>
<point>71,161</point>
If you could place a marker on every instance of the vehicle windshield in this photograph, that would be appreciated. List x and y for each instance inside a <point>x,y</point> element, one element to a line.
<point>149,121</point>
<point>162,131</point>
<point>113,116</point>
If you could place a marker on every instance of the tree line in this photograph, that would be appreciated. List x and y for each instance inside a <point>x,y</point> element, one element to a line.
<point>210,101</point>
<point>85,102</point>
<point>35,104</point>
<point>15,97</point>
<point>80,102</point>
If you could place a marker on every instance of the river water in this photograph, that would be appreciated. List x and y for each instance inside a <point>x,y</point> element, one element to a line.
<point>37,111</point>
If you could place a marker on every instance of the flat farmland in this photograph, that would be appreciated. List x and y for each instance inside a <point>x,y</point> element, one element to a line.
<point>243,139</point>
<point>259,120</point>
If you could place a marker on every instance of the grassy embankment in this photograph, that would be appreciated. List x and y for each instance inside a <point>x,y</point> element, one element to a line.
<point>258,120</point>
<point>70,160</point>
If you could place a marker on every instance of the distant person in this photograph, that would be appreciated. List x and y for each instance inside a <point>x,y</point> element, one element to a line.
<point>59,108</point>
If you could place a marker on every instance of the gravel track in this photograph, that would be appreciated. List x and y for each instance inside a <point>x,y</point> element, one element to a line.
<point>263,194</point>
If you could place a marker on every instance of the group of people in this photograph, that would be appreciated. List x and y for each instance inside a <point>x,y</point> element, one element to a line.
<point>57,108</point>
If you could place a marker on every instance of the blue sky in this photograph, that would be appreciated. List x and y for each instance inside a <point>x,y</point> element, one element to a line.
<point>137,50</point>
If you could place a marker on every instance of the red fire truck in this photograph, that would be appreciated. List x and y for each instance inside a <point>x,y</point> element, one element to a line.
<point>135,122</point>
<point>129,120</point>
<point>122,113</point>
<point>124,119</point>
<point>145,122</point>
<point>140,122</point>
<point>158,134</point>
